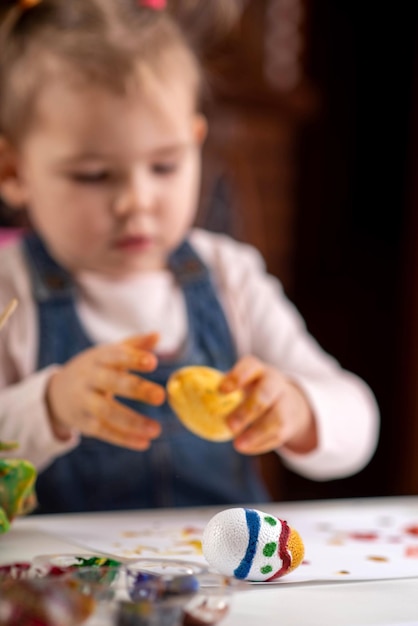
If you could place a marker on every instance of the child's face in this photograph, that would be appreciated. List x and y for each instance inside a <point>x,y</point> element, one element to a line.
<point>111,182</point>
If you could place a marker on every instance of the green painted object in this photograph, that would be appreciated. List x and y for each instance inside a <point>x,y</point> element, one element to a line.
<point>17,487</point>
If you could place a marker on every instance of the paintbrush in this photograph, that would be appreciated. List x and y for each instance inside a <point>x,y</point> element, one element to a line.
<point>7,312</point>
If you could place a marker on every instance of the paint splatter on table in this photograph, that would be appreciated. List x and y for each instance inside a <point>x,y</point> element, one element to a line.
<point>356,540</point>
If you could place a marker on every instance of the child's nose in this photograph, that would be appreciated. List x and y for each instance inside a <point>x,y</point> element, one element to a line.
<point>137,195</point>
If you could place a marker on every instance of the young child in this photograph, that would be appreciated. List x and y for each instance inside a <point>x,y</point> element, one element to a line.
<point>100,144</point>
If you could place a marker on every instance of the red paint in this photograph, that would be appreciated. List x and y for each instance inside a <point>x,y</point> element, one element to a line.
<point>364,536</point>
<point>412,530</point>
<point>283,553</point>
<point>191,530</point>
<point>17,570</point>
<point>411,552</point>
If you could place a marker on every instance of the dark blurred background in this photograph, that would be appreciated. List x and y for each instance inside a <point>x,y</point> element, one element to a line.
<point>355,266</point>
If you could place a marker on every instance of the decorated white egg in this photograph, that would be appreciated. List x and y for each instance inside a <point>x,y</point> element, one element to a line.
<point>251,545</point>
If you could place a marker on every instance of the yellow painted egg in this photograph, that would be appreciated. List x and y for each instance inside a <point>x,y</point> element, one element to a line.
<point>193,395</point>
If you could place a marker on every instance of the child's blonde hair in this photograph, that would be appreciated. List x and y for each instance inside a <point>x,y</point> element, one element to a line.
<point>104,42</point>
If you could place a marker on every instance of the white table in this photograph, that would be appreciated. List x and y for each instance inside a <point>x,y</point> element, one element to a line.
<point>378,602</point>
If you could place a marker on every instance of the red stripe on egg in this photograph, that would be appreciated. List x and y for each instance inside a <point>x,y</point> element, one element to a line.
<point>283,553</point>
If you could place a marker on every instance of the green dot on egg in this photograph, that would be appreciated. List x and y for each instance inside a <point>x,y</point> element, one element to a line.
<point>270,520</point>
<point>270,548</point>
<point>266,569</point>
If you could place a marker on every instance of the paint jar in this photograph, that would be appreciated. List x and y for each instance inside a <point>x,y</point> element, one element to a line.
<point>167,592</point>
<point>25,602</point>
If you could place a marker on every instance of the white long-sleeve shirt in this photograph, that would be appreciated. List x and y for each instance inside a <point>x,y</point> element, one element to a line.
<point>262,320</point>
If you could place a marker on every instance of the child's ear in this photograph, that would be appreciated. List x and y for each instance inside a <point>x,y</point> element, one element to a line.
<point>11,188</point>
<point>200,128</point>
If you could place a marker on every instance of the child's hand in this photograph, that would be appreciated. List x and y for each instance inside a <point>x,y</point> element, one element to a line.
<point>80,394</point>
<point>275,411</point>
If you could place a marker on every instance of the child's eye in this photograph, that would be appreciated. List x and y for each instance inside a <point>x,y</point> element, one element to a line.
<point>90,177</point>
<point>163,169</point>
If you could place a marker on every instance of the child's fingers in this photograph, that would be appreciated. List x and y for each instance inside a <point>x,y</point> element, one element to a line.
<point>108,433</point>
<point>119,424</point>
<point>144,342</point>
<point>124,356</point>
<point>262,436</point>
<point>126,439</point>
<point>262,395</point>
<point>122,383</point>
<point>244,372</point>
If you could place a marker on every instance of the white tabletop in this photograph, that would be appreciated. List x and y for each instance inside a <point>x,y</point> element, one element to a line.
<point>343,603</point>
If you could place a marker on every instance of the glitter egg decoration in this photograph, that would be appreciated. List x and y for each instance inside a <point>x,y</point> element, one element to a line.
<point>251,545</point>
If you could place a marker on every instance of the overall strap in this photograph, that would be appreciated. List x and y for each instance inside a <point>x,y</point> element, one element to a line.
<point>61,335</point>
<point>207,321</point>
<point>49,280</point>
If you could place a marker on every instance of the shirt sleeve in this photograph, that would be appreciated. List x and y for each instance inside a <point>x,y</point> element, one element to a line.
<point>266,324</point>
<point>23,413</point>
<point>24,419</point>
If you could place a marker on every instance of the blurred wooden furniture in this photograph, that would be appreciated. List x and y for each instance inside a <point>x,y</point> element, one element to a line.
<point>260,99</point>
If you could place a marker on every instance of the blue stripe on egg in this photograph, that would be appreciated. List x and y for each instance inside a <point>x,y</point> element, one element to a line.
<point>253,525</point>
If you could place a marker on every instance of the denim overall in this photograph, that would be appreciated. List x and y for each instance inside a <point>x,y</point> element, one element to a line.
<point>179,469</point>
